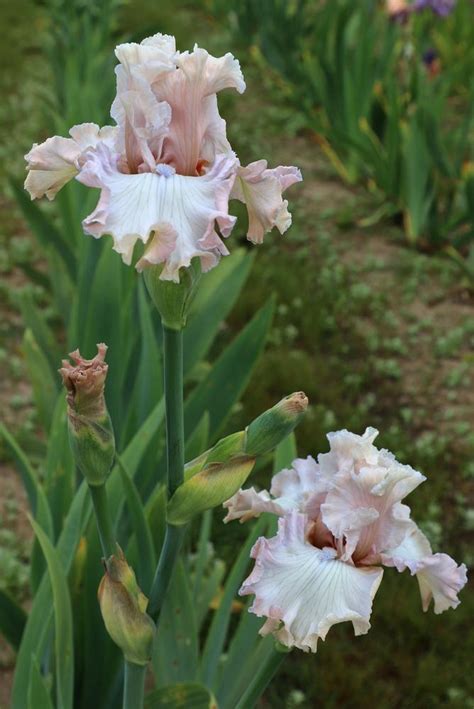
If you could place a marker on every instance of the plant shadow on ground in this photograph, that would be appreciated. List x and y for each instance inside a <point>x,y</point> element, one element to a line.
<point>376,335</point>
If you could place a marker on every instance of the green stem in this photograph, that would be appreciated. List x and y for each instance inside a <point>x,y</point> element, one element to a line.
<point>173,373</point>
<point>134,685</point>
<point>169,554</point>
<point>103,519</point>
<point>262,678</point>
<point>173,384</point>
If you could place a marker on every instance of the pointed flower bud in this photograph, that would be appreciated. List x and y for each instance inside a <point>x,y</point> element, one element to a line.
<point>123,607</point>
<point>266,431</point>
<point>211,476</point>
<point>173,300</point>
<point>90,429</point>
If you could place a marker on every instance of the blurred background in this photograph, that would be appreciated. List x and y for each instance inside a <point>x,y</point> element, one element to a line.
<point>374,282</point>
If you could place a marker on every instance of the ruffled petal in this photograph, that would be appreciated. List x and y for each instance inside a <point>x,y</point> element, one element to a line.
<point>148,61</point>
<point>53,163</point>
<point>260,189</point>
<point>300,487</point>
<point>143,124</point>
<point>439,577</point>
<point>348,451</point>
<point>246,504</point>
<point>303,591</point>
<point>364,508</point>
<point>173,206</point>
<point>197,132</point>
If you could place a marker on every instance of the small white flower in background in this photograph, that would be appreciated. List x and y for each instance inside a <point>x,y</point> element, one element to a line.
<point>340,519</point>
<point>166,170</point>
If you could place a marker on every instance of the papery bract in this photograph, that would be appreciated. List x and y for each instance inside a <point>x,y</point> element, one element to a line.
<point>340,519</point>
<point>166,171</point>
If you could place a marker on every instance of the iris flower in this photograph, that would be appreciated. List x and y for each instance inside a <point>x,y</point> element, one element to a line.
<point>340,520</point>
<point>166,170</point>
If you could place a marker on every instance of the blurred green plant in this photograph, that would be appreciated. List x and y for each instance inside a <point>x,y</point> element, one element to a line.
<point>377,109</point>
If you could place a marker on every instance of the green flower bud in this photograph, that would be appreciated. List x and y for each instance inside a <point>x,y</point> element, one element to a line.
<point>123,607</point>
<point>90,428</point>
<point>217,474</point>
<point>266,431</point>
<point>173,300</point>
<point>210,487</point>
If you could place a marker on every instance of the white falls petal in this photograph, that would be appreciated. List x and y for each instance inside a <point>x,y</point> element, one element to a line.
<point>439,577</point>
<point>303,590</point>
<point>180,210</point>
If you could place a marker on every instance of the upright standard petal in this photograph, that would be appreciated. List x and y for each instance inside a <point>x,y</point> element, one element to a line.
<point>197,132</point>
<point>246,504</point>
<point>260,189</point>
<point>179,211</point>
<point>300,487</point>
<point>303,590</point>
<point>148,61</point>
<point>439,577</point>
<point>53,163</point>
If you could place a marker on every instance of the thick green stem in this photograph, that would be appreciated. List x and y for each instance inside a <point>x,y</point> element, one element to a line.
<point>173,373</point>
<point>264,674</point>
<point>173,384</point>
<point>169,554</point>
<point>134,686</point>
<point>103,519</point>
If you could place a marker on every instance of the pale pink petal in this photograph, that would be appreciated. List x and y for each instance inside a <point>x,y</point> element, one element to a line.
<point>197,132</point>
<point>246,504</point>
<point>53,163</point>
<point>364,508</point>
<point>148,61</point>
<point>300,487</point>
<point>131,207</point>
<point>303,590</point>
<point>439,577</point>
<point>348,451</point>
<point>260,189</point>
<point>143,124</point>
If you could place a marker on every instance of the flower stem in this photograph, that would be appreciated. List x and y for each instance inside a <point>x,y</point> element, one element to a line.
<point>262,678</point>
<point>134,685</point>
<point>173,384</point>
<point>173,371</point>
<point>103,519</point>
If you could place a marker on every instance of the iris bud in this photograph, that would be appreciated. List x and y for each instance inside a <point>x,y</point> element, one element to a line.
<point>217,474</point>
<point>90,428</point>
<point>123,607</point>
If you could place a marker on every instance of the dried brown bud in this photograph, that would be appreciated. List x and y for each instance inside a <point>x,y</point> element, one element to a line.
<point>85,381</point>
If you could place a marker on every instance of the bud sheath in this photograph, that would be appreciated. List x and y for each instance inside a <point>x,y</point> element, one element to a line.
<point>173,300</point>
<point>123,607</point>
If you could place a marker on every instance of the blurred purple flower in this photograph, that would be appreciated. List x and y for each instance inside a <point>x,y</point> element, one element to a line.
<point>440,7</point>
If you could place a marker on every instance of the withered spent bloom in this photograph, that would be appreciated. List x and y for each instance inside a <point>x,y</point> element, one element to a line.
<point>90,428</point>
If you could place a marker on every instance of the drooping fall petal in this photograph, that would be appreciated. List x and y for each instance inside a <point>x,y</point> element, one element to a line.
<point>303,590</point>
<point>133,207</point>
<point>439,577</point>
<point>260,189</point>
<point>53,163</point>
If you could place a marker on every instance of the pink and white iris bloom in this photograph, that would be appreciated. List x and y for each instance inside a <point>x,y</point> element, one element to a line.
<point>166,170</point>
<point>340,518</point>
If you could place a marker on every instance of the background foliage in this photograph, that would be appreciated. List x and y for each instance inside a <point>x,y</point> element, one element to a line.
<point>374,330</point>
